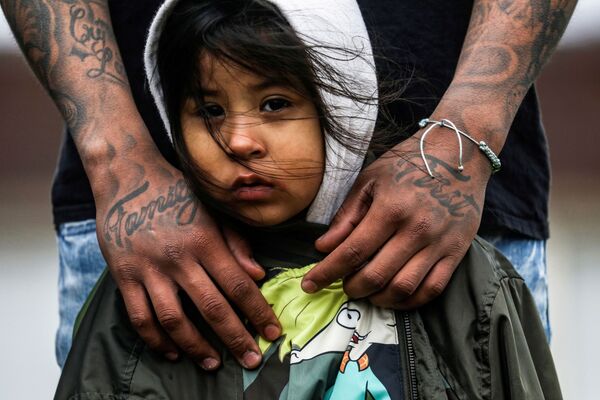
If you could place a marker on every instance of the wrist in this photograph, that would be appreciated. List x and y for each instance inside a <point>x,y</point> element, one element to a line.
<point>456,146</point>
<point>481,114</point>
<point>118,159</point>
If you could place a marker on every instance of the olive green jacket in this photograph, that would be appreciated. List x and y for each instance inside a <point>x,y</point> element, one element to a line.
<point>481,339</point>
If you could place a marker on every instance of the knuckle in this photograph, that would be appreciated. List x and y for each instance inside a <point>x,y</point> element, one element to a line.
<point>200,240</point>
<point>374,279</point>
<point>214,310</point>
<point>191,348</point>
<point>240,290</point>
<point>353,255</point>
<point>126,272</point>
<point>171,320</point>
<point>422,227</point>
<point>403,288</point>
<point>434,289</point>
<point>397,212</point>
<point>173,251</point>
<point>459,245</point>
<point>237,344</point>
<point>140,321</point>
<point>261,314</point>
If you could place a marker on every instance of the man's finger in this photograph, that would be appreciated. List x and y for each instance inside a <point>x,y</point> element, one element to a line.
<point>372,233</point>
<point>176,324</point>
<point>408,280</point>
<point>241,291</point>
<point>241,251</point>
<point>377,273</point>
<point>432,286</point>
<point>350,214</point>
<point>219,315</point>
<point>142,320</point>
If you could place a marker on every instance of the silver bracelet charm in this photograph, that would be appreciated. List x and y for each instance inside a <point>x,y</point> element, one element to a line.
<point>445,123</point>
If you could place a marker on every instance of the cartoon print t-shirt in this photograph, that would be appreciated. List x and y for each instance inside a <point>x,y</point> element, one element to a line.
<point>331,347</point>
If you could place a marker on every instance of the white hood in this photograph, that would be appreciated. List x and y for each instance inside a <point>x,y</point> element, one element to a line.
<point>338,24</point>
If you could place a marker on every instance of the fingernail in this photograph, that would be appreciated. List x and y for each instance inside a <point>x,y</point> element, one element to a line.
<point>250,359</point>
<point>320,237</point>
<point>172,356</point>
<point>272,332</point>
<point>209,364</point>
<point>309,286</point>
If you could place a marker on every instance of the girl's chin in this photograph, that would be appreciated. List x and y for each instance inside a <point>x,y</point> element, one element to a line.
<point>258,217</point>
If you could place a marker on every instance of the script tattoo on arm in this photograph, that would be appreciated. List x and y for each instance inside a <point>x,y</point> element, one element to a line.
<point>122,220</point>
<point>93,38</point>
<point>442,188</point>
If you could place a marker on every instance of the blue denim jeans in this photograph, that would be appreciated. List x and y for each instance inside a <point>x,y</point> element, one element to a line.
<point>81,263</point>
<point>529,259</point>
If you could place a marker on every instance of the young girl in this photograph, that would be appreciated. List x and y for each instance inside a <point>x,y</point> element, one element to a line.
<point>271,111</point>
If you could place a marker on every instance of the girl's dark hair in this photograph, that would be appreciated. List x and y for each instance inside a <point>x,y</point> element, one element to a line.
<point>255,35</point>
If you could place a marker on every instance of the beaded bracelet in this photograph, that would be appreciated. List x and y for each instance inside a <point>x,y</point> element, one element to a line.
<point>444,123</point>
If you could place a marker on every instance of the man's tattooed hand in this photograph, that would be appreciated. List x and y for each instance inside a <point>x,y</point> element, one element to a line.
<point>444,187</point>
<point>124,219</point>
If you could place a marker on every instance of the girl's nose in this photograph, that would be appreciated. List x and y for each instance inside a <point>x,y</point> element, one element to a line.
<point>243,138</point>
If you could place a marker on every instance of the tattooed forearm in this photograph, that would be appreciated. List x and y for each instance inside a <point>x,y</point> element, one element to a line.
<point>32,22</point>
<point>71,48</point>
<point>442,188</point>
<point>507,44</point>
<point>92,38</point>
<point>123,221</point>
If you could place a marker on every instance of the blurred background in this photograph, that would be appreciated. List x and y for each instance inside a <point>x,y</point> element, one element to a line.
<point>30,129</point>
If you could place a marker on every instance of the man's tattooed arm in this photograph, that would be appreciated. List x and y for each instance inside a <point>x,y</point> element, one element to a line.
<point>398,244</point>
<point>71,48</point>
<point>155,238</point>
<point>506,46</point>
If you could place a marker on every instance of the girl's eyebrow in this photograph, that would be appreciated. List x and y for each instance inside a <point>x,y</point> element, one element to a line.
<point>261,85</point>
<point>268,83</point>
<point>209,92</point>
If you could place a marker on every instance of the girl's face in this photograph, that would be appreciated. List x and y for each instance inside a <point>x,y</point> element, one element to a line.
<point>267,125</point>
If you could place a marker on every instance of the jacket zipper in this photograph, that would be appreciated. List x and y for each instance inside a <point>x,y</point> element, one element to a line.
<point>412,362</point>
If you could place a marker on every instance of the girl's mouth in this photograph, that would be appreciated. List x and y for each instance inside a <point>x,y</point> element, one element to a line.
<point>251,187</point>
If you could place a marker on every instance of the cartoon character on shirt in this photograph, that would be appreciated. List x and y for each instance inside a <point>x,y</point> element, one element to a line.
<point>317,326</point>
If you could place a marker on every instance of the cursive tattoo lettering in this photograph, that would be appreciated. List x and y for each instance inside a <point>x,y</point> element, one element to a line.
<point>91,35</point>
<point>122,222</point>
<point>442,187</point>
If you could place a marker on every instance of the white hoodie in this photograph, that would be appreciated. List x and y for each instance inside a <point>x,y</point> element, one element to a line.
<point>335,24</point>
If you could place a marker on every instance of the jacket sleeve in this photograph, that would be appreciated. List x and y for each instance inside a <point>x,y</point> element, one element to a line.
<point>519,349</point>
<point>486,333</point>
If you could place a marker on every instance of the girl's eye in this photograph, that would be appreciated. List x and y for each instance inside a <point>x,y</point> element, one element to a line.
<point>213,111</point>
<point>273,105</point>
